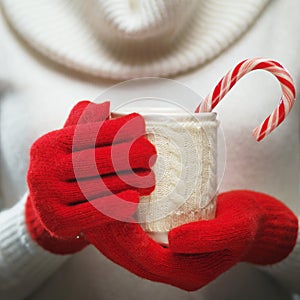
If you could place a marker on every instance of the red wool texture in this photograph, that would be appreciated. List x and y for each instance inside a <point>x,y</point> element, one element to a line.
<point>249,227</point>
<point>111,158</point>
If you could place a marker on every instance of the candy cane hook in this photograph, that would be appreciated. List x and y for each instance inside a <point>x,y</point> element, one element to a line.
<point>230,79</point>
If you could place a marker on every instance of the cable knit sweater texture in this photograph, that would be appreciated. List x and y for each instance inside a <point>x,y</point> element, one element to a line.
<point>36,95</point>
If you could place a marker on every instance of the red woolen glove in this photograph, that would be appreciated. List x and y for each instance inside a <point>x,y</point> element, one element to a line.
<point>249,226</point>
<point>73,181</point>
<point>252,226</point>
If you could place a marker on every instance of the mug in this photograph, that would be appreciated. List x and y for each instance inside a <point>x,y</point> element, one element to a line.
<point>185,170</point>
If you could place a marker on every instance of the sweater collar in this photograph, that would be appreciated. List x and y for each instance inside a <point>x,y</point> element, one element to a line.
<point>121,39</point>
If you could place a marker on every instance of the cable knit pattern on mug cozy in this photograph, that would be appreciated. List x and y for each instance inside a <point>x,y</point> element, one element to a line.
<point>181,196</point>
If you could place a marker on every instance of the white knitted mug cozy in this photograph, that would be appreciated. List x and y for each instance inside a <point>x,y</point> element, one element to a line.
<point>185,170</point>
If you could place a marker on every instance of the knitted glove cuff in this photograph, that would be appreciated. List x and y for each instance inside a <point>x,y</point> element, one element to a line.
<point>278,233</point>
<point>45,239</point>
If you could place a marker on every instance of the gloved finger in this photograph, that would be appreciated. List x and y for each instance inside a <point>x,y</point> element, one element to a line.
<point>88,136</point>
<point>138,154</point>
<point>71,220</point>
<point>142,181</point>
<point>98,134</point>
<point>87,111</point>
<point>235,225</point>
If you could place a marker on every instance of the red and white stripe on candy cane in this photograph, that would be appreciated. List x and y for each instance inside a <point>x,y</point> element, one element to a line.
<point>230,79</point>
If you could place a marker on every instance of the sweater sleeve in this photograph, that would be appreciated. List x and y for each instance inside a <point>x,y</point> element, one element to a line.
<point>24,265</point>
<point>287,271</point>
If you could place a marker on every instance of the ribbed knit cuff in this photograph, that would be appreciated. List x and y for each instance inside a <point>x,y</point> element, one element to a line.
<point>22,260</point>
<point>287,272</point>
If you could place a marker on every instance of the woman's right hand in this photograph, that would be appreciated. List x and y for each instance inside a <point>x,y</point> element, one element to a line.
<point>87,174</point>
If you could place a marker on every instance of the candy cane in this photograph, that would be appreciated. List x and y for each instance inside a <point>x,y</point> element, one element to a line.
<point>230,79</point>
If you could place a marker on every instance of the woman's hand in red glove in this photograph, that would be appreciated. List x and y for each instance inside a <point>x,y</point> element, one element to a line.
<point>248,226</point>
<point>253,227</point>
<point>73,177</point>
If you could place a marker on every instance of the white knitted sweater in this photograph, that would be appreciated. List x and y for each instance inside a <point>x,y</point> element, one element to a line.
<point>36,96</point>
